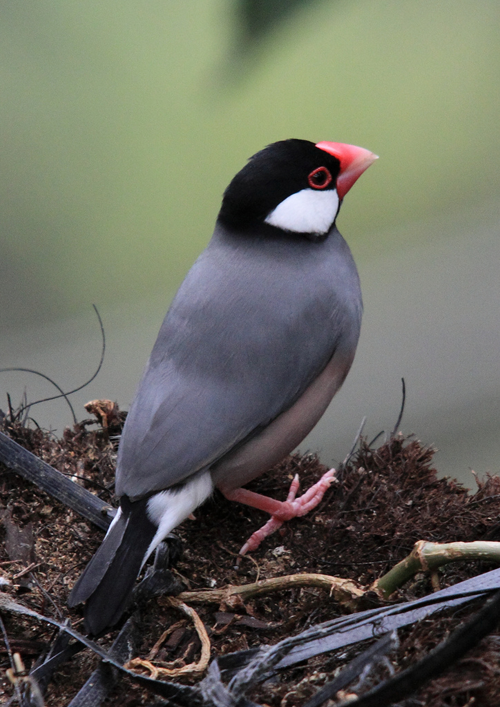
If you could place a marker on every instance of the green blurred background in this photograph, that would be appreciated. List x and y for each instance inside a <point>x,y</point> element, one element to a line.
<point>122,123</point>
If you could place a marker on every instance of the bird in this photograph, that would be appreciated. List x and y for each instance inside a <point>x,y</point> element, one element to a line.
<point>258,339</point>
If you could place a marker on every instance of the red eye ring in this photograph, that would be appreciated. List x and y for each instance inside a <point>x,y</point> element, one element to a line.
<point>319,178</point>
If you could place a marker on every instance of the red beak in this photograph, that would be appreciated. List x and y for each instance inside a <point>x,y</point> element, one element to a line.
<point>353,162</point>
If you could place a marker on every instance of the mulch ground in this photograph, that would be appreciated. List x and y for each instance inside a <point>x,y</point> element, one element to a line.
<point>387,498</point>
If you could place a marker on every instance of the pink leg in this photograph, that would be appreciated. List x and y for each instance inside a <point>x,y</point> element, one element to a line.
<point>280,511</point>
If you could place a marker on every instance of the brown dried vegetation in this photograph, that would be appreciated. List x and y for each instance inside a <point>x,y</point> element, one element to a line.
<point>386,500</point>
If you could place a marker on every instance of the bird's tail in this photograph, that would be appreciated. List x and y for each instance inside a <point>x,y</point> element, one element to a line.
<point>107,583</point>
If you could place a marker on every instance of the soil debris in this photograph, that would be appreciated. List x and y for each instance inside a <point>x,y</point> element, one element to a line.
<point>386,499</point>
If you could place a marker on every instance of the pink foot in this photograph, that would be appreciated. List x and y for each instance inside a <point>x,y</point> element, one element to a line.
<point>280,511</point>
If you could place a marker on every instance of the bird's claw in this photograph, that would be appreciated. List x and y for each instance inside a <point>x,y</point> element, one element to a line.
<point>291,508</point>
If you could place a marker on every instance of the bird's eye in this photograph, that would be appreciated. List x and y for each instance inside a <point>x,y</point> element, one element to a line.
<point>319,178</point>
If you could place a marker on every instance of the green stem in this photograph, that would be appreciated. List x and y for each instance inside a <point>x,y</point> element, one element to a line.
<point>427,556</point>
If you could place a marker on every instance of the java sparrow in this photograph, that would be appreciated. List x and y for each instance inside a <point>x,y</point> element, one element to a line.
<point>256,343</point>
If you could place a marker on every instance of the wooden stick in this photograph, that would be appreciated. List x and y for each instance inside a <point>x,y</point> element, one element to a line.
<point>345,591</point>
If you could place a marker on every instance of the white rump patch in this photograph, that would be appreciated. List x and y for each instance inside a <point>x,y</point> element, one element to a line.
<point>306,211</point>
<point>167,509</point>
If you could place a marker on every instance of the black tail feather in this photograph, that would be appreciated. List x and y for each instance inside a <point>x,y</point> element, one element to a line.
<point>108,580</point>
<point>98,565</point>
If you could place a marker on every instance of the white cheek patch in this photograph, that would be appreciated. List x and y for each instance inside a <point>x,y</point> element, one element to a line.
<point>306,211</point>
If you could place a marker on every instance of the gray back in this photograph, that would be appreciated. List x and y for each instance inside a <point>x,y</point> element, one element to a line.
<point>253,323</point>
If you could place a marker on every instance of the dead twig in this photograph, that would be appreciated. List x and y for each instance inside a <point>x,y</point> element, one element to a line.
<point>345,591</point>
<point>154,650</point>
<point>27,569</point>
<point>192,669</point>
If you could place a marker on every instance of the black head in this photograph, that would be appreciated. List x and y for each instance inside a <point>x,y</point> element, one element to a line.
<point>284,169</point>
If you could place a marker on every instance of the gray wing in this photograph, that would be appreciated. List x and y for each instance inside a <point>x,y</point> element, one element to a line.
<point>250,328</point>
